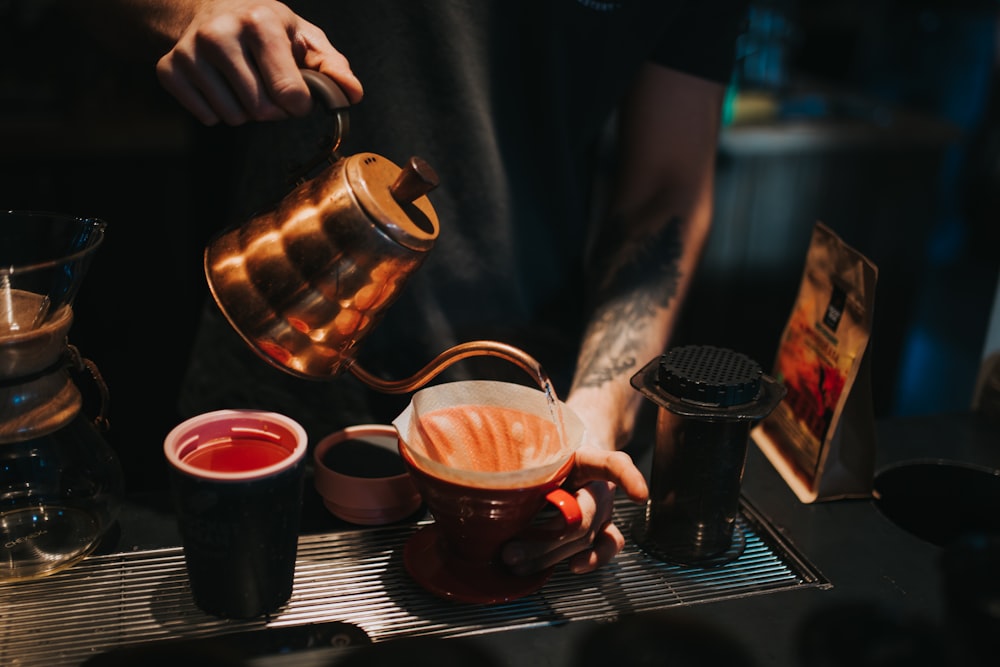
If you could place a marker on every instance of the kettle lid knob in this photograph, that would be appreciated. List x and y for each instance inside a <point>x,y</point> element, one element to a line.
<point>393,197</point>
<point>415,179</point>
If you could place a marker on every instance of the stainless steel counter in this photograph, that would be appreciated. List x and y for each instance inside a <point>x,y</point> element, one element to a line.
<point>824,575</point>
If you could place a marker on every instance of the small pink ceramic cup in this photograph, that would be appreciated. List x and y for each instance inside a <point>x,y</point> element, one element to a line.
<point>361,477</point>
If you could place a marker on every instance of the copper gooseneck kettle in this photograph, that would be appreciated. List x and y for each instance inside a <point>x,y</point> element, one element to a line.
<point>304,282</point>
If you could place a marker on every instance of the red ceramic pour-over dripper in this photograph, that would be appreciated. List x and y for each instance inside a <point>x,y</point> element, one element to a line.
<point>487,457</point>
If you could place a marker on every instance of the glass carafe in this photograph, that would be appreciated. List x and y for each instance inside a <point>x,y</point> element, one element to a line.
<point>60,481</point>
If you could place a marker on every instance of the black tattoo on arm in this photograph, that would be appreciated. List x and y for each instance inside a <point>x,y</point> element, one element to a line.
<point>643,275</point>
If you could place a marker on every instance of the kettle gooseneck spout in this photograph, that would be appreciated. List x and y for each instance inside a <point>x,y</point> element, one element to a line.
<point>452,355</point>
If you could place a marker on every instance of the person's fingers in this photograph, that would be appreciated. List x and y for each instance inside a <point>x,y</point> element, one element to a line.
<point>247,61</point>
<point>237,66</point>
<point>607,544</point>
<point>594,464</point>
<point>269,76</point>
<point>315,52</point>
<point>551,542</point>
<point>187,94</point>
<point>203,90</point>
<point>210,76</point>
<point>277,53</point>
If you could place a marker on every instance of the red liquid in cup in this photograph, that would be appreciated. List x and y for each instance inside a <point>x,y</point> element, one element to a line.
<point>236,455</point>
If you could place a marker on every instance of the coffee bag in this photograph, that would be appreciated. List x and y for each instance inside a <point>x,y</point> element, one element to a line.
<point>822,436</point>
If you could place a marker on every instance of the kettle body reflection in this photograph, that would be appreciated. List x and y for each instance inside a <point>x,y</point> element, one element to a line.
<point>60,481</point>
<point>304,282</point>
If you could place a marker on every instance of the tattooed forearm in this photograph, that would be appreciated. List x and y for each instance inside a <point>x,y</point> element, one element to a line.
<point>641,277</point>
<point>609,349</point>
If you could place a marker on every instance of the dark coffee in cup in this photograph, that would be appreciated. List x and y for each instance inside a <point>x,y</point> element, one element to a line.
<point>361,458</point>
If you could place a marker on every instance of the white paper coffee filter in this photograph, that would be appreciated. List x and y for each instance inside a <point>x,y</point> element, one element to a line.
<point>496,447</point>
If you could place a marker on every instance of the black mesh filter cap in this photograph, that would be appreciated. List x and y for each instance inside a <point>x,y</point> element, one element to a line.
<point>709,375</point>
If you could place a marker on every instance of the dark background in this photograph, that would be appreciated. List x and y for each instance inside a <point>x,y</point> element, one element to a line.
<point>885,126</point>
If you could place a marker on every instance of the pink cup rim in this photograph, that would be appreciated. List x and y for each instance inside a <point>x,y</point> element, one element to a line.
<point>243,423</point>
<point>365,500</point>
<point>358,431</point>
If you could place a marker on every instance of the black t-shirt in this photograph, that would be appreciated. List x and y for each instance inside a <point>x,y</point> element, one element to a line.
<point>508,101</point>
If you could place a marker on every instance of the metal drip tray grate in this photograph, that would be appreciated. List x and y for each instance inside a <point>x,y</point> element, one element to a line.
<point>358,577</point>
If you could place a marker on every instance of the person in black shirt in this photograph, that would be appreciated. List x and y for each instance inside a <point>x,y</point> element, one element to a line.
<point>575,143</point>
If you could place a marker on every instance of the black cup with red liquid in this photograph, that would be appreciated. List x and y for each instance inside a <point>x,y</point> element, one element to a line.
<point>236,483</point>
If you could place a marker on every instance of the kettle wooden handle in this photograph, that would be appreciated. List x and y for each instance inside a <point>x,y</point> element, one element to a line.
<point>335,100</point>
<point>322,86</point>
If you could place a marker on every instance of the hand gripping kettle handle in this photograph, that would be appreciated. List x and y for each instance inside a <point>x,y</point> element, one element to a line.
<point>325,90</point>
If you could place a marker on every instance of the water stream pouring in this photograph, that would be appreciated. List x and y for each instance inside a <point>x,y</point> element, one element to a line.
<point>304,282</point>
